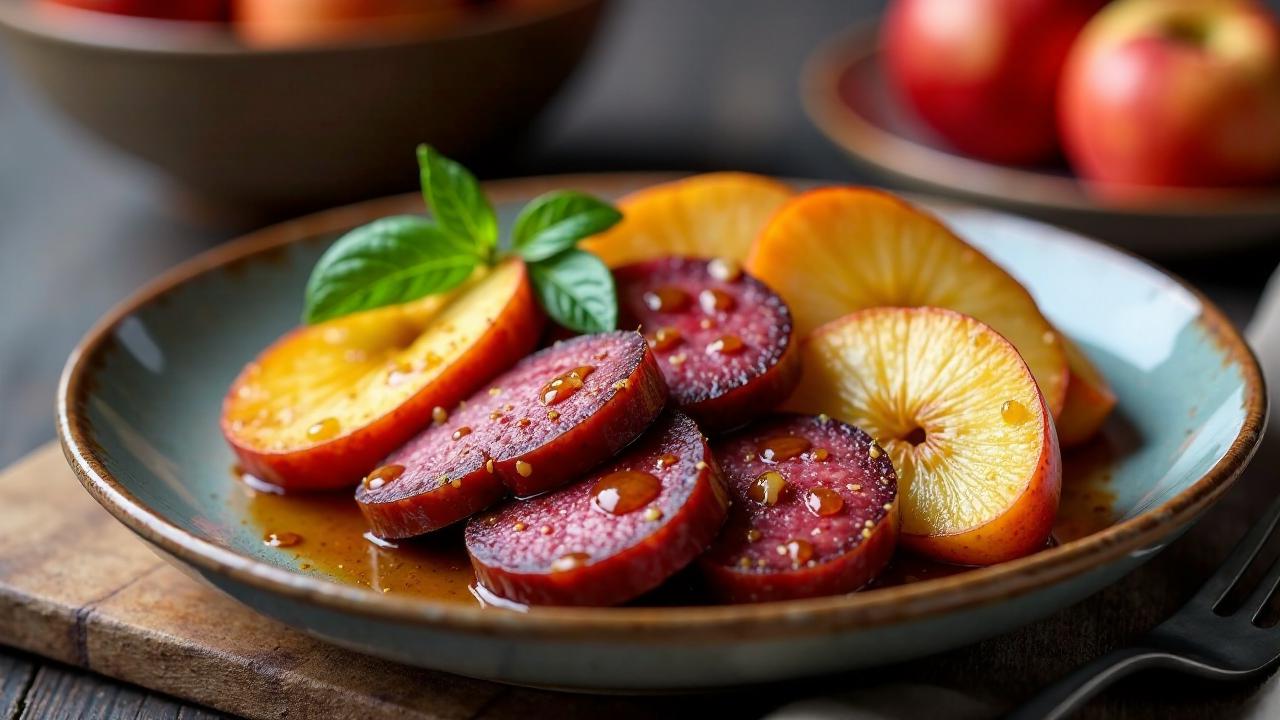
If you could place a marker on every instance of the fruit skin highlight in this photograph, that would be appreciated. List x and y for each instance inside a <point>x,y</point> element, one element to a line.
<point>984,73</point>
<point>979,476</point>
<point>831,251</point>
<point>282,454</point>
<point>1089,402</point>
<point>287,23</point>
<point>1159,94</point>
<point>714,215</point>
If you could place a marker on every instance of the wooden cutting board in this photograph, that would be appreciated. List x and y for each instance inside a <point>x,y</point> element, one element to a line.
<point>78,587</point>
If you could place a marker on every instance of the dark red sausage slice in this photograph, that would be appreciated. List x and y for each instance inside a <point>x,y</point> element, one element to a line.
<point>814,511</point>
<point>552,417</point>
<point>723,339</point>
<point>619,533</point>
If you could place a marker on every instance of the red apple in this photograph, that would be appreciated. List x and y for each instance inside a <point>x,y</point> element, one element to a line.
<point>1159,93</point>
<point>298,22</point>
<point>210,10</point>
<point>984,73</point>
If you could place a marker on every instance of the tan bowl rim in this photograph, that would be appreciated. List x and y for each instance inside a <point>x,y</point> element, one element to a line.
<point>177,38</point>
<point>924,165</point>
<point>898,604</point>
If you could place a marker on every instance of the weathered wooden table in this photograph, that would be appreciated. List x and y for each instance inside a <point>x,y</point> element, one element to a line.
<point>671,85</point>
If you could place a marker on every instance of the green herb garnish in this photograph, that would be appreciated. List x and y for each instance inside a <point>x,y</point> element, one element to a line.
<point>406,257</point>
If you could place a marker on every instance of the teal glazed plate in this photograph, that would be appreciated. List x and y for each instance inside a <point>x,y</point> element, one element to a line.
<point>138,415</point>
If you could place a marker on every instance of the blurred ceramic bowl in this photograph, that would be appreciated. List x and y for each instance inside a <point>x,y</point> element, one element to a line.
<point>280,129</point>
<point>847,97</point>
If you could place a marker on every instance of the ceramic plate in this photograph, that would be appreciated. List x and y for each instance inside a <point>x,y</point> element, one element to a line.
<point>138,416</point>
<point>846,96</point>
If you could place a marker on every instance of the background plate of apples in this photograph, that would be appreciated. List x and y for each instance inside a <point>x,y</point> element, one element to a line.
<point>1153,124</point>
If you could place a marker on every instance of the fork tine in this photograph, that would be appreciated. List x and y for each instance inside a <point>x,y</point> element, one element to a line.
<point>1217,587</point>
<point>1258,599</point>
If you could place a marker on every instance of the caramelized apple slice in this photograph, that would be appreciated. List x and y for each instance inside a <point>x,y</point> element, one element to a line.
<point>319,408</point>
<point>832,251</point>
<point>953,404</point>
<point>716,215</point>
<point>1089,399</point>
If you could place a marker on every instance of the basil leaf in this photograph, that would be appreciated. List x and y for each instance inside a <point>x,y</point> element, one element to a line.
<point>392,260</point>
<point>576,290</point>
<point>456,201</point>
<point>557,220</point>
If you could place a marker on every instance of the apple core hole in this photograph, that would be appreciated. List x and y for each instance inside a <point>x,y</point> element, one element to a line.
<point>916,435</point>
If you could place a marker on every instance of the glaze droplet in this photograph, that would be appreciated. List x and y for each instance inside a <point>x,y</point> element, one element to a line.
<point>800,551</point>
<point>570,561</point>
<point>714,301</point>
<point>664,339</point>
<point>724,269</point>
<point>383,475</point>
<point>562,386</point>
<point>281,539</point>
<point>324,429</point>
<point>767,488</point>
<point>624,491</point>
<point>783,447</point>
<point>726,345</point>
<point>666,299</point>
<point>1014,412</point>
<point>823,502</point>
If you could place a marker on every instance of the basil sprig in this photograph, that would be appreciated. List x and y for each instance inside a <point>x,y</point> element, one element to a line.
<point>406,257</point>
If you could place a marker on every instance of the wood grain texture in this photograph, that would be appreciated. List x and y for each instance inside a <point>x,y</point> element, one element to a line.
<point>78,587</point>
<point>16,676</point>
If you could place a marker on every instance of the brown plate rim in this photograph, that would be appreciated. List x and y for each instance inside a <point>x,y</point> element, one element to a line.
<point>684,624</point>
<point>923,165</point>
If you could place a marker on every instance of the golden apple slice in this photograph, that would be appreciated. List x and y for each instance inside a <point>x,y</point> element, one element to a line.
<point>957,410</point>
<point>716,215</point>
<point>1089,399</point>
<point>832,251</point>
<point>320,407</point>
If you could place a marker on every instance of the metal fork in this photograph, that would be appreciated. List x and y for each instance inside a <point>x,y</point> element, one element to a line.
<point>1196,640</point>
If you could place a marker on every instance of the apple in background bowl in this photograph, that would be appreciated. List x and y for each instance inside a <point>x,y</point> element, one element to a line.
<point>1184,94</point>
<point>206,10</point>
<point>297,22</point>
<point>983,74</point>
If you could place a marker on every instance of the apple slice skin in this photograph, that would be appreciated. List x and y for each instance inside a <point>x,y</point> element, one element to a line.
<point>720,391</point>
<point>704,216</point>
<point>1089,402</point>
<point>503,438</point>
<point>630,553</point>
<point>1023,528</point>
<point>851,546</point>
<point>773,259</point>
<point>1026,523</point>
<point>342,461</point>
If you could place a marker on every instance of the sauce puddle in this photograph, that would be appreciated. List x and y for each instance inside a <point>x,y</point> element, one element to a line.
<point>333,539</point>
